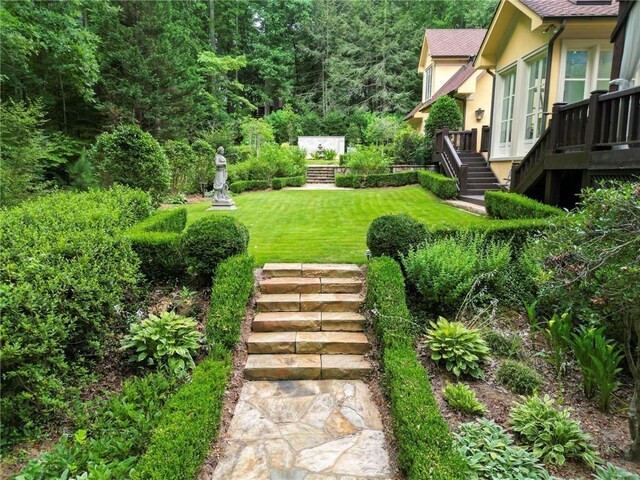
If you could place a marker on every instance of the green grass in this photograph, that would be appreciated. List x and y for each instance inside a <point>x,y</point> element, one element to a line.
<point>323,161</point>
<point>327,225</point>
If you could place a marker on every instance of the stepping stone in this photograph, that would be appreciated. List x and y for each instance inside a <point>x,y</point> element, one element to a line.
<point>345,367</point>
<point>283,367</point>
<point>330,302</point>
<point>279,302</point>
<point>342,270</point>
<point>272,342</point>
<point>287,322</point>
<point>343,322</point>
<point>340,285</point>
<point>336,343</point>
<point>271,270</point>
<point>291,285</point>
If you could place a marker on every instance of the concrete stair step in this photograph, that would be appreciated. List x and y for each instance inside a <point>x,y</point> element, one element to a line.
<point>309,302</point>
<point>334,343</point>
<point>324,270</point>
<point>309,322</point>
<point>306,367</point>
<point>310,285</point>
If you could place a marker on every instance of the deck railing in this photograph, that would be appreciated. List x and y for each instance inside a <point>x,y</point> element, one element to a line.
<point>447,144</point>
<point>602,121</point>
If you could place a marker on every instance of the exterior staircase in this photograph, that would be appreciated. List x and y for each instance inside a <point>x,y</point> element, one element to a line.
<point>321,174</point>
<point>308,326</point>
<point>480,178</point>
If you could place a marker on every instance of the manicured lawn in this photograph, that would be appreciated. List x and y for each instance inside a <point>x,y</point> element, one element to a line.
<point>326,225</point>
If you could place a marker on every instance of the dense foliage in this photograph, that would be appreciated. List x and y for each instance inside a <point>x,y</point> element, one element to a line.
<point>461,397</point>
<point>591,265</point>
<point>444,113</point>
<point>507,206</point>
<point>131,157</point>
<point>394,235</point>
<point>422,435</point>
<point>64,269</point>
<point>518,377</point>
<point>272,161</point>
<point>182,162</point>
<point>209,241</point>
<point>368,160</point>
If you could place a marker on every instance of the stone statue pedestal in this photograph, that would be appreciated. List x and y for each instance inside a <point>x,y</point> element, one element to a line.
<point>223,204</point>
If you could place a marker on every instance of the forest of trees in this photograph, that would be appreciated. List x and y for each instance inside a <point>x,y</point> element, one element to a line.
<point>75,68</point>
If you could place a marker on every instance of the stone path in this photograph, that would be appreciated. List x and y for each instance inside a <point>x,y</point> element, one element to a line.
<point>305,430</point>
<point>307,415</point>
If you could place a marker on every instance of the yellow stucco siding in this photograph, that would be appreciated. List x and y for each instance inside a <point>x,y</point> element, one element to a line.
<point>520,42</point>
<point>501,169</point>
<point>478,90</point>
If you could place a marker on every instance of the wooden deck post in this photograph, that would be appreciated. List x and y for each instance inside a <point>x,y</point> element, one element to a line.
<point>462,180</point>
<point>555,126</point>
<point>593,119</point>
<point>474,141</point>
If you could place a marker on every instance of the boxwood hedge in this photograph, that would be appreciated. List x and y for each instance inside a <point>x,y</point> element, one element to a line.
<point>246,185</point>
<point>440,185</point>
<point>377,180</point>
<point>424,442</point>
<point>509,206</point>
<point>278,183</point>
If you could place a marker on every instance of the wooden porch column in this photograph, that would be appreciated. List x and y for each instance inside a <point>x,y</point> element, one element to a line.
<point>593,119</point>
<point>552,188</point>
<point>555,126</point>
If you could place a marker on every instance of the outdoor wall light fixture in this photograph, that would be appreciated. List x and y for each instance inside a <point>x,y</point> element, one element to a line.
<point>479,114</point>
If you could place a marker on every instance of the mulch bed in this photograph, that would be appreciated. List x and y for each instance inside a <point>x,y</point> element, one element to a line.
<point>610,431</point>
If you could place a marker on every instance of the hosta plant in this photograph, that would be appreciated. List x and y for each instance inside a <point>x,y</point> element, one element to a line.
<point>611,472</point>
<point>551,434</point>
<point>461,349</point>
<point>168,342</point>
<point>491,454</point>
<point>461,397</point>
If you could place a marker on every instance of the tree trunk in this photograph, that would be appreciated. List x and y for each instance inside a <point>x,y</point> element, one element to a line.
<point>212,28</point>
<point>634,418</point>
<point>632,353</point>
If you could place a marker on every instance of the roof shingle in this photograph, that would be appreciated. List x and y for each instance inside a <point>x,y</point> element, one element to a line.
<point>567,8</point>
<point>463,42</point>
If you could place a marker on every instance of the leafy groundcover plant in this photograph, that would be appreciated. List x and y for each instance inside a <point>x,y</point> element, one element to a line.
<point>461,349</point>
<point>491,454</point>
<point>461,397</point>
<point>551,434</point>
<point>518,376</point>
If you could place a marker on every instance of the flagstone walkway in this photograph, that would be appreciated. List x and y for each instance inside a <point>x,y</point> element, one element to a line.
<point>305,430</point>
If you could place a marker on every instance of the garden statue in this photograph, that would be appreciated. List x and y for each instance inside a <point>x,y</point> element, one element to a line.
<point>220,188</point>
<point>320,151</point>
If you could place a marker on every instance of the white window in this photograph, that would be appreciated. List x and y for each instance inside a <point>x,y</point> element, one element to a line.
<point>428,81</point>
<point>507,103</point>
<point>534,116</point>
<point>585,67</point>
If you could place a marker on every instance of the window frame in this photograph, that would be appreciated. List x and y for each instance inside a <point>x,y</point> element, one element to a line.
<point>594,48</point>
<point>428,82</point>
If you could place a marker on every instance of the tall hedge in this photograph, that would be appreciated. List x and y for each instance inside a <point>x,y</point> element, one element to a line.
<point>64,268</point>
<point>444,113</point>
<point>131,157</point>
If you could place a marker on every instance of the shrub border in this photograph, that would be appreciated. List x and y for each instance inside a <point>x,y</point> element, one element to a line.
<point>377,180</point>
<point>425,444</point>
<point>509,206</point>
<point>440,185</point>
<point>298,181</point>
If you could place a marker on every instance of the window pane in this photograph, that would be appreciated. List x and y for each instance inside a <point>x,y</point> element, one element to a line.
<point>573,90</point>
<point>604,64</point>
<point>602,85</point>
<point>577,64</point>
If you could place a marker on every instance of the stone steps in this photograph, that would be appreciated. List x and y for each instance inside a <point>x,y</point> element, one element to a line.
<point>306,367</point>
<point>309,302</point>
<point>322,270</point>
<point>308,326</point>
<point>308,322</point>
<point>310,285</point>
<point>333,343</point>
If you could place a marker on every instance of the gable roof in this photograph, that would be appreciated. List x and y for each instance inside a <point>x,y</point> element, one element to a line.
<point>454,42</point>
<point>568,8</point>
<point>456,80</point>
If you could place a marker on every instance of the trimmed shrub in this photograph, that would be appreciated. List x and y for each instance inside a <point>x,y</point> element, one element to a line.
<point>207,242</point>
<point>377,180</point>
<point>394,235</point>
<point>278,183</point>
<point>247,185</point>
<point>119,430</point>
<point>553,436</point>
<point>440,185</point>
<point>508,206</point>
<point>134,158</point>
<point>231,290</point>
<point>190,421</point>
<point>156,241</point>
<point>518,377</point>
<point>424,442</point>
<point>444,113</point>
<point>64,268</point>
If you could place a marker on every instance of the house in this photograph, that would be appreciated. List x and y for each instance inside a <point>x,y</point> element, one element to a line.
<point>542,52</point>
<point>446,65</point>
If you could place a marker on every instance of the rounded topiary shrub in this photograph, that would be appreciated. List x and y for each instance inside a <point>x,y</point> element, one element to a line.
<point>394,235</point>
<point>209,241</point>
<point>134,158</point>
<point>444,113</point>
